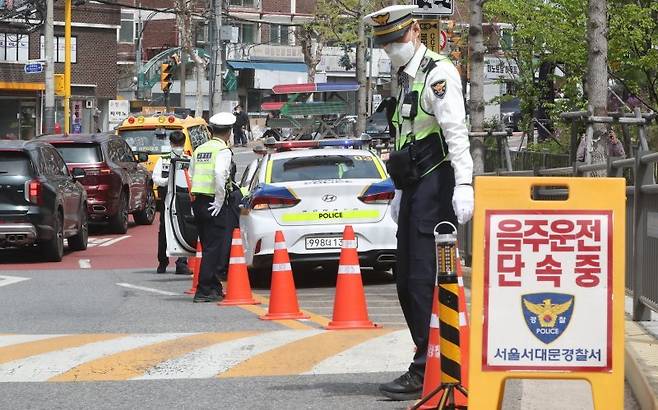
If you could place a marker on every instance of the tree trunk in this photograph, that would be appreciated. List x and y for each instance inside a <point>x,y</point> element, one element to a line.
<point>361,96</point>
<point>476,73</point>
<point>597,70</point>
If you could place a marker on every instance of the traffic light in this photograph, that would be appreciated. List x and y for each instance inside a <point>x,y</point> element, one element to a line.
<point>166,74</point>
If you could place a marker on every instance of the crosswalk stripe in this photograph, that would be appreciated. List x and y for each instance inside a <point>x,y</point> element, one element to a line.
<point>8,340</point>
<point>133,363</point>
<point>210,361</point>
<point>301,356</point>
<point>51,344</point>
<point>381,354</point>
<point>46,365</point>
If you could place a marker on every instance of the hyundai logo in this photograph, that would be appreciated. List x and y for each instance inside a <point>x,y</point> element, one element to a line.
<point>328,198</point>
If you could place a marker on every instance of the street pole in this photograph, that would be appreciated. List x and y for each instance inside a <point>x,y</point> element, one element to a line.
<point>49,109</point>
<point>138,53</point>
<point>67,66</point>
<point>217,47</point>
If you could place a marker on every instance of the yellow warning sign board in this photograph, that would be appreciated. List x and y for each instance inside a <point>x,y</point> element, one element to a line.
<point>431,35</point>
<point>548,285</point>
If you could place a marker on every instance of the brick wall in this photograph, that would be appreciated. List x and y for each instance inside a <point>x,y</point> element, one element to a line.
<point>276,6</point>
<point>160,34</point>
<point>305,6</point>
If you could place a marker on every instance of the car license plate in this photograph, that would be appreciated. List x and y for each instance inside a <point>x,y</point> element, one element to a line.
<point>324,242</point>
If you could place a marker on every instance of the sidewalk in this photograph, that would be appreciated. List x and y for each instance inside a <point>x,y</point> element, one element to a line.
<point>642,358</point>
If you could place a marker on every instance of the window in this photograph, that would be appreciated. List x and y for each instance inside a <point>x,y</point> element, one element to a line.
<point>243,3</point>
<point>279,34</point>
<point>14,163</point>
<point>14,47</point>
<point>148,140</point>
<point>324,167</point>
<point>127,30</point>
<point>80,153</point>
<point>53,165</point>
<point>247,32</point>
<point>58,45</point>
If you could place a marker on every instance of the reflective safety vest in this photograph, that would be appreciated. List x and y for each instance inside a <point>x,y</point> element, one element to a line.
<point>424,125</point>
<point>205,157</point>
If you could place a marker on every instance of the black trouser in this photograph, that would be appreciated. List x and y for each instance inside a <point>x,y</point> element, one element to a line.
<point>215,234</point>
<point>422,206</point>
<point>162,245</point>
<point>239,136</point>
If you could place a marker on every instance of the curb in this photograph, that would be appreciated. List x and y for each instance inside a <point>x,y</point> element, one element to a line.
<point>636,369</point>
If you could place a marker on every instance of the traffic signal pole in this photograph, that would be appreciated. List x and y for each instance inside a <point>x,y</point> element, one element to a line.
<point>49,103</point>
<point>67,66</point>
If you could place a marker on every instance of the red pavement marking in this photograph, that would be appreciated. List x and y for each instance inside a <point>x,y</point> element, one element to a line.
<point>136,252</point>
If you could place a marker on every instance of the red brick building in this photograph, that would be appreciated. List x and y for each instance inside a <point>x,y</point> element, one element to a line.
<point>93,71</point>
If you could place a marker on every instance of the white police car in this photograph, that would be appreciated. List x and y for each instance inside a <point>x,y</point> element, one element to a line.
<point>310,195</point>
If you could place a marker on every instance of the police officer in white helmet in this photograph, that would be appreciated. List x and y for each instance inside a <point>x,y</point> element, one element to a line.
<point>431,167</point>
<point>215,208</point>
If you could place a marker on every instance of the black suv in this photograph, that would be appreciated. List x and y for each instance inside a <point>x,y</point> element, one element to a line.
<point>41,202</point>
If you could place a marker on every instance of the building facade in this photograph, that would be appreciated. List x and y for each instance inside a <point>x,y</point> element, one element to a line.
<point>93,73</point>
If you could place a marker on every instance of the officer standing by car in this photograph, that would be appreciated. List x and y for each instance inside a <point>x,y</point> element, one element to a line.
<point>215,205</point>
<point>431,168</point>
<point>161,179</point>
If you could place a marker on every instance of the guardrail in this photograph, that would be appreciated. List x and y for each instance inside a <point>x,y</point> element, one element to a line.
<point>641,276</point>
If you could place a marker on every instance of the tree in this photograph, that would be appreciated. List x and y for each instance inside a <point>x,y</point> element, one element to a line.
<point>476,71</point>
<point>597,72</point>
<point>312,45</point>
<point>633,47</point>
<point>184,10</point>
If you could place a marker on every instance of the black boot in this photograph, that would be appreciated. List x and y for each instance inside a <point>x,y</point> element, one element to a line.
<point>162,267</point>
<point>409,386</point>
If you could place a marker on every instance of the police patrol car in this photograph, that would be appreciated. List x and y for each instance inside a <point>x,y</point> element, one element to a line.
<point>310,195</point>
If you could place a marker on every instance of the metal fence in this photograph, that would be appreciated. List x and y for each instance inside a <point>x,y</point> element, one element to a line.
<point>640,171</point>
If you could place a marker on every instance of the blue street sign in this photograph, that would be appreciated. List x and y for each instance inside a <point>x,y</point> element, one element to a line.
<point>33,68</point>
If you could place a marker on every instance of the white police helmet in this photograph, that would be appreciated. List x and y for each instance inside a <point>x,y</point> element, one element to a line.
<point>221,121</point>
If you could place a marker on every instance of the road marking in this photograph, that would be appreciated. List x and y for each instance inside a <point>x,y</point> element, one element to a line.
<point>105,241</point>
<point>301,356</point>
<point>37,347</point>
<point>84,263</point>
<point>293,324</point>
<point>10,280</point>
<point>115,240</point>
<point>145,289</point>
<point>134,363</point>
<point>381,354</point>
<point>216,359</point>
<point>47,365</point>
<point>8,340</point>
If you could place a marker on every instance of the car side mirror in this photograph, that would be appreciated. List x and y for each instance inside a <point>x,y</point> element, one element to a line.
<point>142,157</point>
<point>78,173</point>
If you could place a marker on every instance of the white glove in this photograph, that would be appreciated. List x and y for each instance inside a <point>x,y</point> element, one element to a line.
<point>395,205</point>
<point>462,203</point>
<point>214,208</point>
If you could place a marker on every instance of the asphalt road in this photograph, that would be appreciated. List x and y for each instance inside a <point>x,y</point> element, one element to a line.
<point>101,330</point>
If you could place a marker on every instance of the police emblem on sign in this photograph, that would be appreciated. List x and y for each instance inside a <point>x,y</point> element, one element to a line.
<point>547,314</point>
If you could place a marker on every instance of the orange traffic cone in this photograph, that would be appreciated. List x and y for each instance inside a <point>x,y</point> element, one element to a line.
<point>239,289</point>
<point>350,310</point>
<point>433,363</point>
<point>194,263</point>
<point>283,296</point>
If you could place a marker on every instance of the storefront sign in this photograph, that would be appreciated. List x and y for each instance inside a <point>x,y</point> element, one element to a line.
<point>119,110</point>
<point>500,68</point>
<point>33,68</point>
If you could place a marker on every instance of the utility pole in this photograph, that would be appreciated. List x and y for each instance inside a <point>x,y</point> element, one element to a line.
<point>67,66</point>
<point>182,72</point>
<point>138,53</point>
<point>217,54</point>
<point>49,109</point>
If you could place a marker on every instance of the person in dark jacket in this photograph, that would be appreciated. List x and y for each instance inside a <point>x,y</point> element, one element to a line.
<point>241,126</point>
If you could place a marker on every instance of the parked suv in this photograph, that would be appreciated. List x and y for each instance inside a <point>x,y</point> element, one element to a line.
<point>41,202</point>
<point>116,184</point>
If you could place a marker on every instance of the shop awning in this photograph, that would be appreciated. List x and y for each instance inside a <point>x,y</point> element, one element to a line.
<point>268,65</point>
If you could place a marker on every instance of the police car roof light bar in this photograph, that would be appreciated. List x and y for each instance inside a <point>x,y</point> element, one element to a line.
<point>288,145</point>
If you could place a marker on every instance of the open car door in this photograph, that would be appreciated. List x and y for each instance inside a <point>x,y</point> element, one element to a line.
<point>181,231</point>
